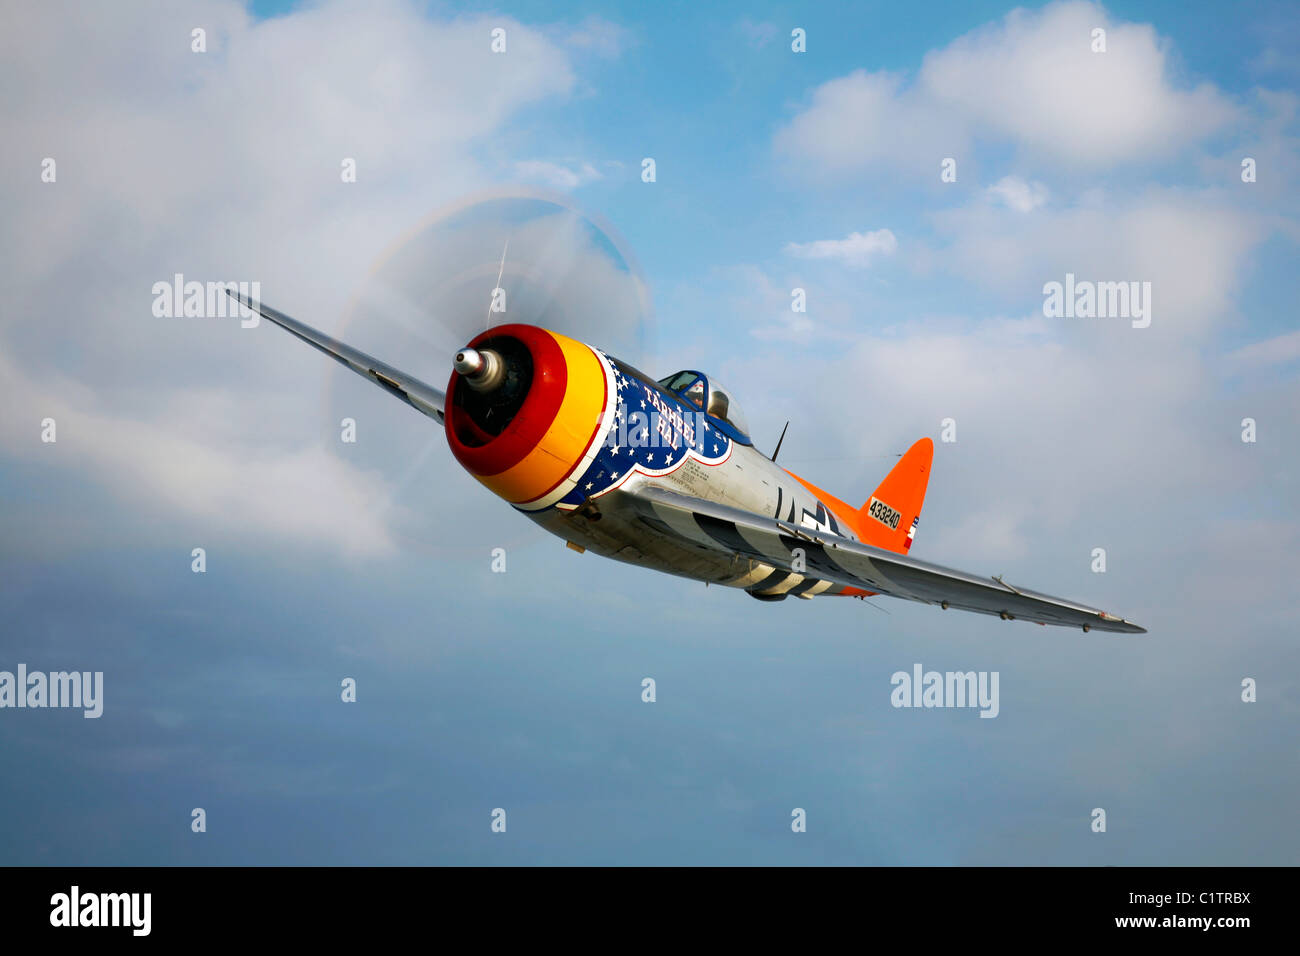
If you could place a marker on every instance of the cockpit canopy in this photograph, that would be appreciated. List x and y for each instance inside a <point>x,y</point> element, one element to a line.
<point>710,397</point>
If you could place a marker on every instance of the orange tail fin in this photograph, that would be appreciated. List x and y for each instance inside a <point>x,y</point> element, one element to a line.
<point>889,518</point>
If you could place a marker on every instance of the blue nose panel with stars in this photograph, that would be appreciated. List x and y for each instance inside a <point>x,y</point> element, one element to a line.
<point>651,432</point>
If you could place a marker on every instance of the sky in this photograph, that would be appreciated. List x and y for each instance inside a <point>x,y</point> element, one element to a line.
<point>775,170</point>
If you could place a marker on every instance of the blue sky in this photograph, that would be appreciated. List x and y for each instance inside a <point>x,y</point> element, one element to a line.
<point>523,690</point>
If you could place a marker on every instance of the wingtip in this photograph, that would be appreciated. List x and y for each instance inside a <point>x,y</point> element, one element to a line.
<point>1122,624</point>
<point>241,298</point>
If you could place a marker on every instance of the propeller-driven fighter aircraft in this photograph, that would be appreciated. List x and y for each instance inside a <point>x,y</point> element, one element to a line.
<point>663,474</point>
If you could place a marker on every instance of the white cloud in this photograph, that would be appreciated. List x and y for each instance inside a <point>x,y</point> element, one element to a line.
<point>1030,79</point>
<point>1273,60</point>
<point>226,165</point>
<point>1035,78</point>
<point>1014,193</point>
<point>763,303</point>
<point>1189,245</point>
<point>757,35</point>
<point>1277,350</point>
<point>867,119</point>
<point>556,175</point>
<point>600,36</point>
<point>857,249</point>
<point>176,463</point>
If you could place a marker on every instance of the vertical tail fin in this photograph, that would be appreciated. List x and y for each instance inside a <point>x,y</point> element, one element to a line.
<point>890,516</point>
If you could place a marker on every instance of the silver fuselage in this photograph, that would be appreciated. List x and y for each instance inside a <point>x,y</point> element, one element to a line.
<point>747,480</point>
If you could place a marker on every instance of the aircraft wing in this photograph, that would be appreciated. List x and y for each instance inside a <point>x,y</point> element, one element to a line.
<point>422,397</point>
<point>843,561</point>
